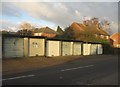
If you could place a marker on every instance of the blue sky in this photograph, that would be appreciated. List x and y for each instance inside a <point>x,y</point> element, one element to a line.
<point>52,14</point>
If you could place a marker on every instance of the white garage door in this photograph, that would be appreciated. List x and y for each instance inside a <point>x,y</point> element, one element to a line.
<point>13,47</point>
<point>93,49</point>
<point>100,49</point>
<point>36,47</point>
<point>67,48</point>
<point>86,49</point>
<point>77,48</point>
<point>53,48</point>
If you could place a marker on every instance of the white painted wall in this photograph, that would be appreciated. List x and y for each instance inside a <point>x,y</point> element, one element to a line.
<point>86,49</point>
<point>100,49</point>
<point>76,48</point>
<point>25,47</point>
<point>53,48</point>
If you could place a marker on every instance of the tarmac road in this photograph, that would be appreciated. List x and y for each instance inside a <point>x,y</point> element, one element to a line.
<point>88,70</point>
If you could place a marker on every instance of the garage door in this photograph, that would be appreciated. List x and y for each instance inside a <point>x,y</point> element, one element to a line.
<point>13,47</point>
<point>77,48</point>
<point>67,48</point>
<point>86,49</point>
<point>100,49</point>
<point>93,49</point>
<point>36,47</point>
<point>53,48</point>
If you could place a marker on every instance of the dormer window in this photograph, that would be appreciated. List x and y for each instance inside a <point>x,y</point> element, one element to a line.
<point>107,37</point>
<point>96,35</point>
<point>118,45</point>
<point>102,36</point>
<point>114,40</point>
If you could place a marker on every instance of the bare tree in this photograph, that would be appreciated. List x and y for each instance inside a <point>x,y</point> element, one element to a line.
<point>26,26</point>
<point>25,29</point>
<point>106,26</point>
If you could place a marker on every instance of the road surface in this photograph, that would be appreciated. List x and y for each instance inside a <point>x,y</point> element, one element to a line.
<point>88,70</point>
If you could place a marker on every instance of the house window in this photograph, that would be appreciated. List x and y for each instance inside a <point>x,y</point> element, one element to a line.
<point>114,40</point>
<point>102,36</point>
<point>96,35</point>
<point>107,37</point>
<point>40,34</point>
<point>118,45</point>
<point>37,34</point>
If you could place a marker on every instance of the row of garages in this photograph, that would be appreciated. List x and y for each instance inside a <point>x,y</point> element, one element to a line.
<point>21,46</point>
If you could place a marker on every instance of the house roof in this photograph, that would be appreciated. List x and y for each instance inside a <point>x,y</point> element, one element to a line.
<point>45,30</point>
<point>77,26</point>
<point>116,36</point>
<point>88,29</point>
<point>103,32</point>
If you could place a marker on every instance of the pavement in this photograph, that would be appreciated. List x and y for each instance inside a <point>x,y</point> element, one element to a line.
<point>17,65</point>
<point>85,70</point>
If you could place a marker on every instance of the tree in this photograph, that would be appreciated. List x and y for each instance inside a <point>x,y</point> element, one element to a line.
<point>76,33</point>
<point>103,24</point>
<point>60,31</point>
<point>25,29</point>
<point>4,32</point>
<point>106,26</point>
<point>69,33</point>
<point>26,26</point>
<point>25,32</point>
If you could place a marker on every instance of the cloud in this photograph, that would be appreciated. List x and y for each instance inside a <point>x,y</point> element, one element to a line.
<point>77,13</point>
<point>8,25</point>
<point>114,27</point>
<point>9,9</point>
<point>62,13</point>
<point>57,13</point>
<point>59,1</point>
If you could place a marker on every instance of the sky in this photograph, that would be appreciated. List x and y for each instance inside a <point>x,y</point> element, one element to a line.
<point>53,13</point>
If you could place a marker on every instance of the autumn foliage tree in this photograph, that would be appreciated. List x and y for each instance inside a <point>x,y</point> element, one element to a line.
<point>69,33</point>
<point>90,28</point>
